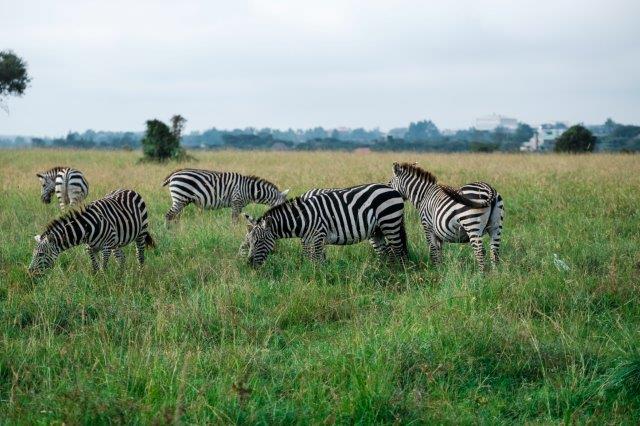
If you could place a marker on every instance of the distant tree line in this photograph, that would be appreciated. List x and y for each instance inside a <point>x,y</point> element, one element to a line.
<point>418,136</point>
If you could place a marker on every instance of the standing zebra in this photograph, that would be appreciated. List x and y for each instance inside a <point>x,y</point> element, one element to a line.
<point>69,185</point>
<point>212,190</point>
<point>455,216</point>
<point>340,217</point>
<point>106,225</point>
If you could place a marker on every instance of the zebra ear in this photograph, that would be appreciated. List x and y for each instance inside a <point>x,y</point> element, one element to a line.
<point>38,238</point>
<point>40,177</point>
<point>396,167</point>
<point>285,192</point>
<point>251,221</point>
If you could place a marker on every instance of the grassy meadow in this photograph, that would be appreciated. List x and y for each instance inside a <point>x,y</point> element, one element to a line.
<point>200,337</point>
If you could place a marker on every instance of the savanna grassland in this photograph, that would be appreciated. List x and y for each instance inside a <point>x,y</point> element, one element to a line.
<point>199,336</point>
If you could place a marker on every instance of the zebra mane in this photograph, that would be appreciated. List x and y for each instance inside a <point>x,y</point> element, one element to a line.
<point>418,171</point>
<point>282,207</point>
<point>64,219</point>
<point>262,180</point>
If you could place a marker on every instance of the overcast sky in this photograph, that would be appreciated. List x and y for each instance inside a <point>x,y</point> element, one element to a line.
<point>111,65</point>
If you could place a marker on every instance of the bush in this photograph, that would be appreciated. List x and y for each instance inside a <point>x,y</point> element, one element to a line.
<point>576,139</point>
<point>160,143</point>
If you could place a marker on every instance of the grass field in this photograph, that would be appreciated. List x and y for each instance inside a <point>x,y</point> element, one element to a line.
<point>199,336</point>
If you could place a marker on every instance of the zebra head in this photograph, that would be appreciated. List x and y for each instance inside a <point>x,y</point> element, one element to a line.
<point>260,240</point>
<point>407,180</point>
<point>44,255</point>
<point>48,186</point>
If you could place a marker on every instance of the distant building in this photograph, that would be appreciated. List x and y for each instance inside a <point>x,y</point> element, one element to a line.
<point>544,137</point>
<point>493,121</point>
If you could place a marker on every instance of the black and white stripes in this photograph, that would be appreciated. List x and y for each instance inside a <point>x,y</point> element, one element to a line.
<point>340,217</point>
<point>211,190</point>
<point>105,225</point>
<point>69,184</point>
<point>449,215</point>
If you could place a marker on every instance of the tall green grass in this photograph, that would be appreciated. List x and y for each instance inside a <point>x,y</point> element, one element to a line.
<point>199,336</point>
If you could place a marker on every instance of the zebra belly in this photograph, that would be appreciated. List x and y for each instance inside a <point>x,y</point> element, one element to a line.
<point>215,203</point>
<point>353,235</point>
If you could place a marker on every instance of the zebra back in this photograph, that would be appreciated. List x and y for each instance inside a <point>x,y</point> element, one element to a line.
<point>316,191</point>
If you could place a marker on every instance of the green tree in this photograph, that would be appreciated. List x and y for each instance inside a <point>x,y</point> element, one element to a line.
<point>523,133</point>
<point>576,139</point>
<point>160,143</point>
<point>421,131</point>
<point>14,78</point>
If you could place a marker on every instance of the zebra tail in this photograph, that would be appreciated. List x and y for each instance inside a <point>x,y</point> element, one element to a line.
<point>148,241</point>
<point>167,180</point>
<point>458,197</point>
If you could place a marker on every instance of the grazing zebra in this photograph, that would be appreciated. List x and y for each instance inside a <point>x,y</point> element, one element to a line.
<point>244,247</point>
<point>69,185</point>
<point>340,217</point>
<point>450,215</point>
<point>105,225</point>
<point>213,190</point>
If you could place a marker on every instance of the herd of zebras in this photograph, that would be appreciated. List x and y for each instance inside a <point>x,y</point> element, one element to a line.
<point>373,212</point>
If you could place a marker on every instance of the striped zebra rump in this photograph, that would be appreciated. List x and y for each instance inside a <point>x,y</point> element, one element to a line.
<point>71,187</point>
<point>68,184</point>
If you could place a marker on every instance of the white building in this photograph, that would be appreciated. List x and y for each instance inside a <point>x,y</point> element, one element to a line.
<point>493,121</point>
<point>544,137</point>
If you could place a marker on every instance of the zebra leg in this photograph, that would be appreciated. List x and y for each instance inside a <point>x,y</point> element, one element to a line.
<point>435,243</point>
<point>94,261</point>
<point>106,252</point>
<point>495,230</point>
<point>140,246</point>
<point>175,210</point>
<point>478,249</point>
<point>379,244</point>
<point>119,255</point>
<point>307,248</point>
<point>318,253</point>
<point>396,240</point>
<point>236,208</point>
<point>435,249</point>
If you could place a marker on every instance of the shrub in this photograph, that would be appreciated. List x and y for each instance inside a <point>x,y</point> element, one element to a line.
<point>576,139</point>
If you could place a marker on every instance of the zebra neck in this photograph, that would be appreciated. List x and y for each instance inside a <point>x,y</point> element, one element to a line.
<point>289,223</point>
<point>73,231</point>
<point>420,192</point>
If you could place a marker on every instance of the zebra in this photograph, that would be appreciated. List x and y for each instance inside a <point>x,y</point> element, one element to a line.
<point>69,184</point>
<point>244,247</point>
<point>340,217</point>
<point>105,225</point>
<point>212,190</point>
<point>450,215</point>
